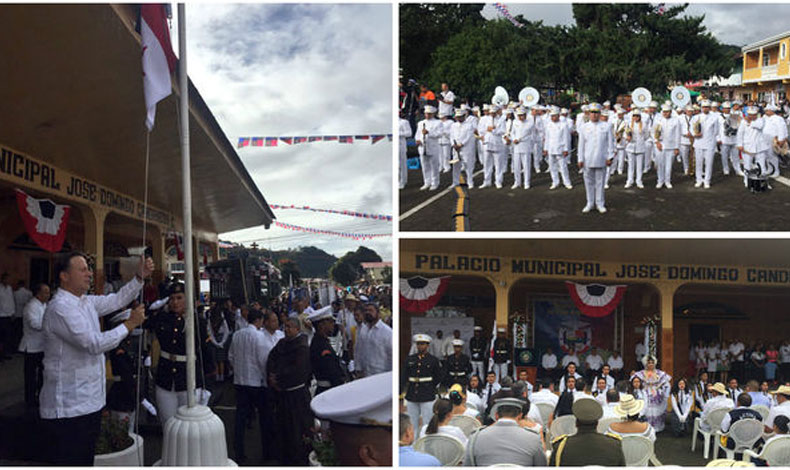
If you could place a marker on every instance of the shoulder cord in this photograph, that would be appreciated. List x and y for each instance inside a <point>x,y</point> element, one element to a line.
<point>560,448</point>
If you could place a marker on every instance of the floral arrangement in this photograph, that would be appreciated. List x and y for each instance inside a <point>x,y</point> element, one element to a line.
<point>114,434</point>
<point>651,327</point>
<point>324,448</point>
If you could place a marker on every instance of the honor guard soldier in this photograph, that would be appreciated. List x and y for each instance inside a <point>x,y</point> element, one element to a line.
<point>503,351</point>
<point>457,365</point>
<point>326,365</point>
<point>478,347</point>
<point>587,447</point>
<point>422,376</point>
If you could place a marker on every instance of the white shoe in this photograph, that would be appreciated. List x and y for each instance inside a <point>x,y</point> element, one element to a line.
<point>602,210</point>
<point>452,186</point>
<point>668,185</point>
<point>606,186</point>
<point>627,185</point>
<point>658,186</point>
<point>526,186</point>
<point>707,186</point>
<point>484,185</point>
<point>471,185</point>
<point>553,186</point>
<point>537,170</point>
<point>424,187</point>
<point>515,186</point>
<point>433,188</point>
<point>698,185</point>
<point>739,173</point>
<point>568,186</point>
<point>640,186</point>
<point>402,187</point>
<point>498,186</point>
<point>586,209</point>
<point>581,170</point>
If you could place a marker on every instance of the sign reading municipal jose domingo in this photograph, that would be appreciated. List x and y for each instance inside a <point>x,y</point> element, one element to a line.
<point>28,172</point>
<point>516,267</point>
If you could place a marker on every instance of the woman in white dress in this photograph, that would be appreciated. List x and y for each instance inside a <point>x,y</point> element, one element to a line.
<point>656,387</point>
<point>442,414</point>
<point>629,409</point>
<point>712,356</point>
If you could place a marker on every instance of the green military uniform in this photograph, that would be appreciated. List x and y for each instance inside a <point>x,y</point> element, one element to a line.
<point>587,447</point>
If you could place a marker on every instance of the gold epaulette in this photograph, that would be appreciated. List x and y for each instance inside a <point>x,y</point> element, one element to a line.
<point>559,438</point>
<point>613,436</point>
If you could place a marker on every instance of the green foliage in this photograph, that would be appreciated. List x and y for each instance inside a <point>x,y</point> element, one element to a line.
<point>348,268</point>
<point>612,49</point>
<point>311,262</point>
<point>114,435</point>
<point>290,272</point>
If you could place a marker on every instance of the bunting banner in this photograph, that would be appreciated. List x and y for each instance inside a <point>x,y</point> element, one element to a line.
<point>419,294</point>
<point>296,140</point>
<point>502,9</point>
<point>44,220</point>
<point>352,235</point>
<point>595,300</point>
<point>361,215</point>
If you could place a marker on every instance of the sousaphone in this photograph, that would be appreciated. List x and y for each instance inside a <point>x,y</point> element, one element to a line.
<point>529,96</point>
<point>680,96</point>
<point>500,97</point>
<point>641,97</point>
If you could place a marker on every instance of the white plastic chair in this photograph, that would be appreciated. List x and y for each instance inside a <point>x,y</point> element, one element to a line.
<point>447,449</point>
<point>546,409</point>
<point>744,432</point>
<point>762,409</point>
<point>563,425</point>
<point>714,420</point>
<point>603,424</point>
<point>637,450</point>
<point>776,453</point>
<point>466,423</point>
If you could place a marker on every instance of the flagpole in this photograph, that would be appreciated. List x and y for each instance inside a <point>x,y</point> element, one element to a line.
<point>186,195</point>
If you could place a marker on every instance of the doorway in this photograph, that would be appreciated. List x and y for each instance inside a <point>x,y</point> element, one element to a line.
<point>39,271</point>
<point>706,333</point>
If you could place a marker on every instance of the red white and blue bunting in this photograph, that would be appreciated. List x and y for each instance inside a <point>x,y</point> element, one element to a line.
<point>352,235</point>
<point>502,9</point>
<point>44,220</point>
<point>305,139</point>
<point>419,294</point>
<point>595,300</point>
<point>361,215</point>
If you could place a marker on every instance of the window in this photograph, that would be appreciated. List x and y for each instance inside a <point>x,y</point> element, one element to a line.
<point>783,51</point>
<point>766,59</point>
<point>761,96</point>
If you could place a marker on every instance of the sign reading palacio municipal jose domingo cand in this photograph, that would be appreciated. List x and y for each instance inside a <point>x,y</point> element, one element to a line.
<point>531,267</point>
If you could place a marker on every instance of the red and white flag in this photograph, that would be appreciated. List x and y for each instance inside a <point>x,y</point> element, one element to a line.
<point>159,61</point>
<point>44,220</point>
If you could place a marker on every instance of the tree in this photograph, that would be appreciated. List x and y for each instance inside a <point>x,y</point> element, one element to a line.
<point>290,271</point>
<point>348,268</point>
<point>424,27</point>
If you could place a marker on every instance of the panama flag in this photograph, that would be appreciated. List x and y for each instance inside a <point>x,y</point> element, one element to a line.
<point>158,58</point>
<point>44,220</point>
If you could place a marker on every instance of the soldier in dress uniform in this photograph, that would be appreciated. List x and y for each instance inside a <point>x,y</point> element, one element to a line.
<point>478,346</point>
<point>420,378</point>
<point>587,447</point>
<point>326,365</point>
<point>457,365</point>
<point>169,325</point>
<point>503,351</point>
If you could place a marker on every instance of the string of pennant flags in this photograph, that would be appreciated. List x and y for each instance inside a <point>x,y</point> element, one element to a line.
<point>355,236</point>
<point>503,10</point>
<point>295,140</point>
<point>361,215</point>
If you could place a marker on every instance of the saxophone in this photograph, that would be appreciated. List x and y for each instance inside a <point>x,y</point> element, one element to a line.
<point>657,132</point>
<point>697,127</point>
<point>618,134</point>
<point>629,133</point>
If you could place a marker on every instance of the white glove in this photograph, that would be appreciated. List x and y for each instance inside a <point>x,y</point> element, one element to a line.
<point>149,406</point>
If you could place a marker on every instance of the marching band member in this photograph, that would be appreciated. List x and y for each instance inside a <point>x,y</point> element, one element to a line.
<point>555,148</point>
<point>523,130</point>
<point>427,138</point>
<point>446,101</point>
<point>705,129</point>
<point>463,142</point>
<point>728,130</point>
<point>495,143</point>
<point>649,117</point>
<point>596,150</point>
<point>404,132</point>
<point>444,141</point>
<point>565,119</point>
<point>481,130</point>
<point>667,141</point>
<point>776,130</point>
<point>752,142</point>
<point>619,126</point>
<point>636,136</point>
<point>685,137</point>
<point>537,137</point>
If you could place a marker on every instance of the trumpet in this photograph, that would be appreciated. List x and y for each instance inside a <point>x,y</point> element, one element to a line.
<point>657,132</point>
<point>618,134</point>
<point>629,133</point>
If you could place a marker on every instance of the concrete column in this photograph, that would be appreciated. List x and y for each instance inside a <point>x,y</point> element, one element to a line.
<point>502,289</point>
<point>215,251</point>
<point>666,303</point>
<point>93,221</point>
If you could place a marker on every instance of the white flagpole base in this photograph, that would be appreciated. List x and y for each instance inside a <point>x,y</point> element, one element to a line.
<point>195,437</point>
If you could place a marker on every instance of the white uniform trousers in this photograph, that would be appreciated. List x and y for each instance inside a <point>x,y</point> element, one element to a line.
<point>481,151</point>
<point>403,175</point>
<point>749,161</point>
<point>684,157</point>
<point>558,167</point>
<point>430,170</point>
<point>488,167</point>
<point>620,160</point>
<point>594,179</point>
<point>446,152</point>
<point>729,156</point>
<point>500,165</point>
<point>418,409</point>
<point>537,155</point>
<point>704,162</point>
<point>168,402</point>
<point>648,155</point>
<point>500,370</point>
<point>772,162</point>
<point>468,166</point>
<point>664,159</point>
<point>478,369</point>
<point>636,167</point>
<point>521,166</point>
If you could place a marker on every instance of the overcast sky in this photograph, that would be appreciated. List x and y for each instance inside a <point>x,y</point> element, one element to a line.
<point>732,23</point>
<point>290,69</point>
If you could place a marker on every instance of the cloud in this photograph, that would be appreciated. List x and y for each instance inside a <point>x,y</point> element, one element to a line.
<point>290,69</point>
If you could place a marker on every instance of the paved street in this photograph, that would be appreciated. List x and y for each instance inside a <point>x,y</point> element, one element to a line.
<point>726,206</point>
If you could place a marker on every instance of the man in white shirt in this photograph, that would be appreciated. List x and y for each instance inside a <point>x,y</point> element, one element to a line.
<point>32,344</point>
<point>776,130</point>
<point>596,151</point>
<point>271,336</point>
<point>248,357</point>
<point>753,142</point>
<point>490,388</point>
<point>555,149</point>
<point>549,365</point>
<point>373,354</point>
<point>21,296</point>
<point>784,360</point>
<point>667,146</point>
<point>594,363</point>
<point>568,358</point>
<point>429,131</point>
<point>404,133</point>
<point>615,363</point>
<point>545,393</point>
<point>728,130</point>
<point>736,356</point>
<point>782,407</point>
<point>607,375</point>
<point>718,400</point>
<point>446,101</point>
<point>7,311</point>
<point>522,132</point>
<point>436,347</point>
<point>74,364</point>
<point>462,139</point>
<point>612,400</point>
<point>704,144</point>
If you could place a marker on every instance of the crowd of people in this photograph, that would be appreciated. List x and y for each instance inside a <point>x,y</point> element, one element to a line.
<point>750,360</point>
<point>512,417</point>
<point>279,354</point>
<point>602,140</point>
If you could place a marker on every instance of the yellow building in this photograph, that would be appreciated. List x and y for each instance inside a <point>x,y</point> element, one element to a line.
<point>73,131</point>
<point>766,68</point>
<point>714,290</point>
